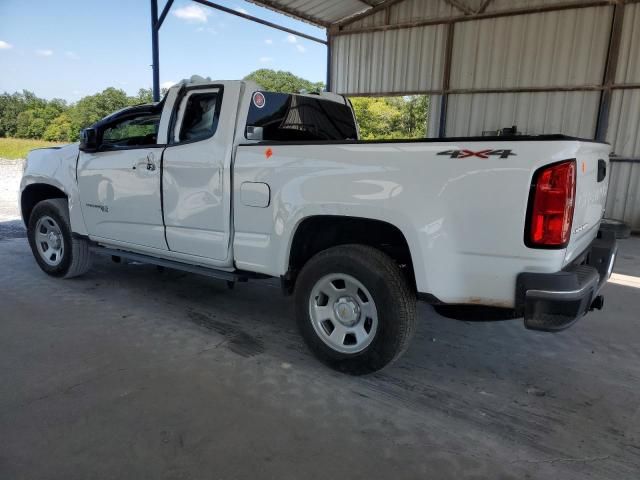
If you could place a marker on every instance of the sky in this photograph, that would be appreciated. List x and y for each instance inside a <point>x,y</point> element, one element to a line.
<point>72,48</point>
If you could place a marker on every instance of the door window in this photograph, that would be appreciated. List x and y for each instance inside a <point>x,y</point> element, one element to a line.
<point>140,130</point>
<point>200,114</point>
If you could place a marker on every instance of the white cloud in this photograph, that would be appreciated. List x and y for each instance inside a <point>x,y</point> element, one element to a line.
<point>241,10</point>
<point>44,52</point>
<point>292,38</point>
<point>301,48</point>
<point>192,13</point>
<point>5,45</point>
<point>265,59</point>
<point>167,84</point>
<point>268,41</point>
<point>72,55</point>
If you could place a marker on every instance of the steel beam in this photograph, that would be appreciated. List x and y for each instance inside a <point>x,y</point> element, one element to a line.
<point>446,78</point>
<point>329,60</point>
<point>155,54</point>
<point>479,16</point>
<point>471,91</point>
<point>611,66</point>
<point>366,13</point>
<point>165,10</point>
<point>271,5</point>
<point>246,16</point>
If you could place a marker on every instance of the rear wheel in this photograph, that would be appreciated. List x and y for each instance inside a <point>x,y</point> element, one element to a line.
<point>355,308</point>
<point>52,243</point>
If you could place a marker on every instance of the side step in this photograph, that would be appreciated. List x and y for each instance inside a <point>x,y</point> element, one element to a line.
<point>185,267</point>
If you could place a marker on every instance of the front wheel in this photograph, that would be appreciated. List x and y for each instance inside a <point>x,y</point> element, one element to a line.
<point>55,249</point>
<point>355,309</point>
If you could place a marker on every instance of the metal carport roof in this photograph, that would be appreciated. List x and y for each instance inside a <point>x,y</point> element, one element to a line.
<point>319,12</point>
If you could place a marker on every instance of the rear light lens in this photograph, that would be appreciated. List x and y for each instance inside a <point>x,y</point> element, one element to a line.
<point>551,204</point>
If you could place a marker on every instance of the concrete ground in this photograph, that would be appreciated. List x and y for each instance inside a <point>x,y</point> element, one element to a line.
<point>132,373</point>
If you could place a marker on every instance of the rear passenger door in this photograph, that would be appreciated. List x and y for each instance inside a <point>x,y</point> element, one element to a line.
<point>195,182</point>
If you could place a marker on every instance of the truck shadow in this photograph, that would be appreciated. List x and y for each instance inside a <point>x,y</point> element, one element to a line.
<point>12,229</point>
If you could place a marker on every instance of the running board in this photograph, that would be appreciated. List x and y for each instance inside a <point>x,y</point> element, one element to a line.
<point>185,267</point>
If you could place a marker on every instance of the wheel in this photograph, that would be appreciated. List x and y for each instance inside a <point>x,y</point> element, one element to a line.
<point>55,249</point>
<point>355,309</point>
<point>620,228</point>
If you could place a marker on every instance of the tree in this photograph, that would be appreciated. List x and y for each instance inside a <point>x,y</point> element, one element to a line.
<point>24,114</point>
<point>284,82</point>
<point>92,108</point>
<point>32,123</point>
<point>145,95</point>
<point>377,117</point>
<point>12,105</point>
<point>391,117</point>
<point>60,129</point>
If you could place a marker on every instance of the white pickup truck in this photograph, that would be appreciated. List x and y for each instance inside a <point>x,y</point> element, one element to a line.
<point>224,179</point>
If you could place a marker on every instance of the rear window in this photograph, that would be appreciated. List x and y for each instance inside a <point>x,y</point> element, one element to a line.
<point>285,117</point>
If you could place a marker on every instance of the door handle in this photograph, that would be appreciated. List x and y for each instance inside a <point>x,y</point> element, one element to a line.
<point>147,162</point>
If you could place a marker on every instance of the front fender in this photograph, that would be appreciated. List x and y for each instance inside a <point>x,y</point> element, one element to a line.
<point>56,167</point>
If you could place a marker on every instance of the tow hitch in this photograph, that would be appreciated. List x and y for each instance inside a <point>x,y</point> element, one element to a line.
<point>597,303</point>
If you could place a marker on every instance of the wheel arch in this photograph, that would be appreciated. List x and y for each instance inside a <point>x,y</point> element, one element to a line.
<point>35,193</point>
<point>316,233</point>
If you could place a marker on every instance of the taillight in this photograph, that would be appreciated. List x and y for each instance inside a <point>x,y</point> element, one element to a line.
<point>551,203</point>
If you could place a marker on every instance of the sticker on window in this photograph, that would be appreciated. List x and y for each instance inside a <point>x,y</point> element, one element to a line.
<point>258,99</point>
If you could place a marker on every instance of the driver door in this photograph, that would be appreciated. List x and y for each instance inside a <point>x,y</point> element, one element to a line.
<point>120,184</point>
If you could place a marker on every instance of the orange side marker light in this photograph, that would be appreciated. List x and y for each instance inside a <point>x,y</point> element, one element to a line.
<point>268,152</point>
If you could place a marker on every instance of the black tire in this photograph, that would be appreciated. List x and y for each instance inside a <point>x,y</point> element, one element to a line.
<point>620,228</point>
<point>394,299</point>
<point>76,257</point>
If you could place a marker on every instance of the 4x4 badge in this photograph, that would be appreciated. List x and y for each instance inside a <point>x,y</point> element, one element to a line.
<point>464,153</point>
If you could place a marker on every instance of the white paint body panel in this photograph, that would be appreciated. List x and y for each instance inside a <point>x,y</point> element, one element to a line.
<point>120,202</point>
<point>57,167</point>
<point>196,183</point>
<point>463,218</point>
<point>228,205</point>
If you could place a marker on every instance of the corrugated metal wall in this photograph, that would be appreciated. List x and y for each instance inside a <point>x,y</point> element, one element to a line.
<point>623,202</point>
<point>624,118</point>
<point>566,49</point>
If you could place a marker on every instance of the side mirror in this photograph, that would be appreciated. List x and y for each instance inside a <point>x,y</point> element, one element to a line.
<point>254,133</point>
<point>89,140</point>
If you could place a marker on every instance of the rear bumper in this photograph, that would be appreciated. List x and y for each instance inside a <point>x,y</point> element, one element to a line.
<point>554,301</point>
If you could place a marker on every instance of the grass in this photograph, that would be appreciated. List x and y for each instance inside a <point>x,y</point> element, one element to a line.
<point>14,148</point>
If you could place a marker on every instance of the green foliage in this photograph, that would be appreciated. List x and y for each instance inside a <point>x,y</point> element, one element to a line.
<point>23,114</point>
<point>283,82</point>
<point>391,117</point>
<point>33,121</point>
<point>60,129</point>
<point>11,105</point>
<point>92,108</point>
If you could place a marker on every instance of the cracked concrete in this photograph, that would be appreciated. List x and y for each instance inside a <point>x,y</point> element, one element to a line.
<point>128,372</point>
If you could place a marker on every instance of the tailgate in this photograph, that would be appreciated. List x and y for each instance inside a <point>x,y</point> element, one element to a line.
<point>592,180</point>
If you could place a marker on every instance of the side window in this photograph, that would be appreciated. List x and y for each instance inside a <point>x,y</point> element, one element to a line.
<point>132,131</point>
<point>200,116</point>
<point>284,117</point>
